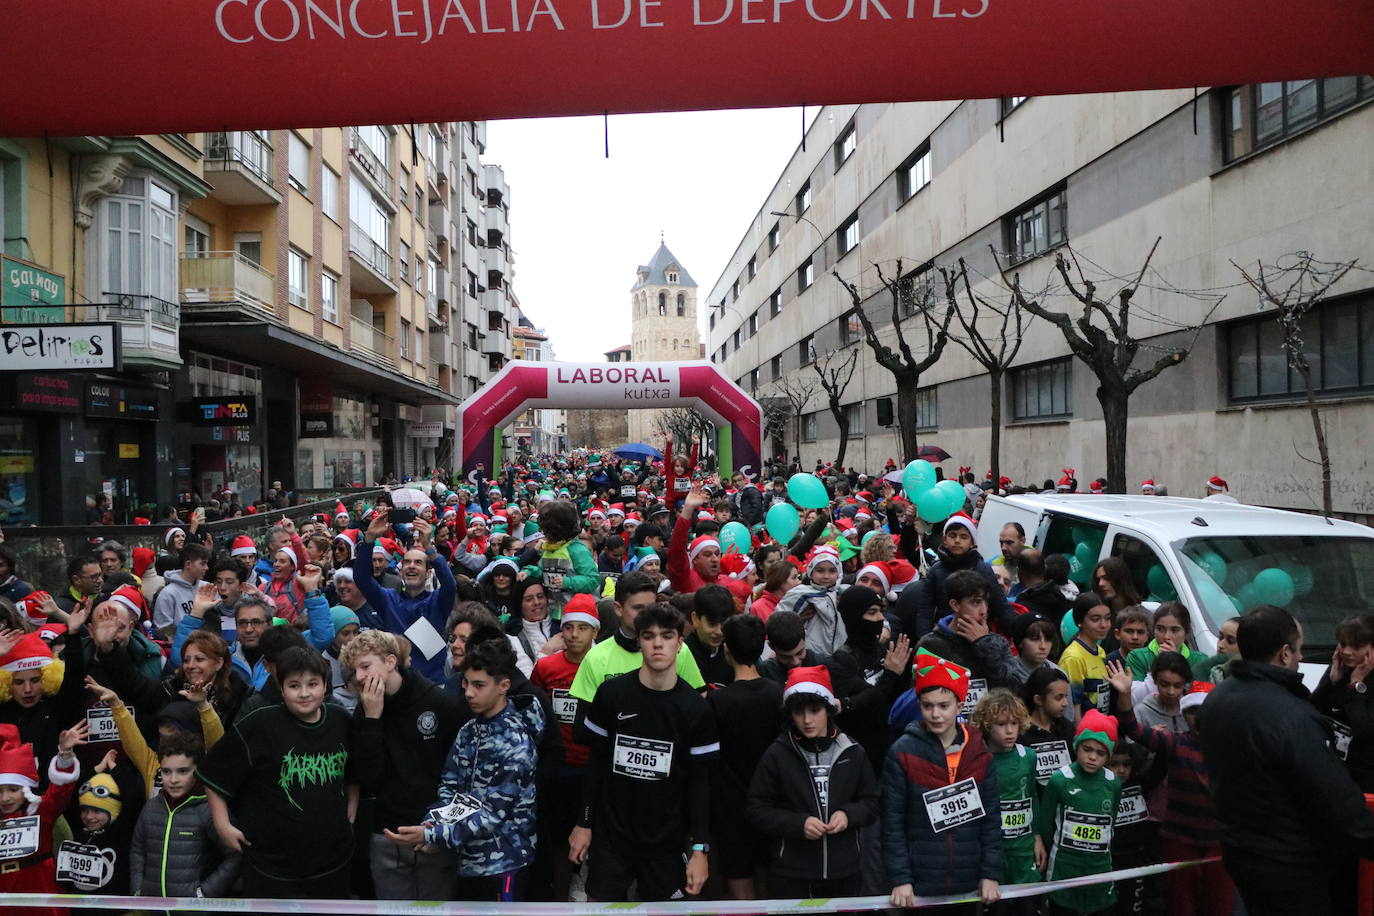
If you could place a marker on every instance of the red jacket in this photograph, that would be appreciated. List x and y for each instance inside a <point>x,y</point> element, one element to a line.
<point>38,873</point>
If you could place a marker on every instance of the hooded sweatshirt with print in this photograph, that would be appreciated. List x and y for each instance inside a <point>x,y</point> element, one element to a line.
<point>174,601</point>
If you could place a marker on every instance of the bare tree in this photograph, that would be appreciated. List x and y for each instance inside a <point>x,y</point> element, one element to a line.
<point>911,297</point>
<point>684,425</point>
<point>1292,291</point>
<point>995,352</point>
<point>835,374</point>
<point>796,390</point>
<point>1109,352</point>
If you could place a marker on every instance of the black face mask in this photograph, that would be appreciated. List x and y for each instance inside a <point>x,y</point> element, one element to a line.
<point>868,630</point>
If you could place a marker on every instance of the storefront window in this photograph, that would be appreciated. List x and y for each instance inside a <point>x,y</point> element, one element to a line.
<point>245,472</point>
<point>18,473</point>
<point>350,419</point>
<point>344,468</point>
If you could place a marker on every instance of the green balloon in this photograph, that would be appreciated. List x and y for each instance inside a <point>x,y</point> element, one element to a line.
<point>954,495</point>
<point>1160,584</point>
<point>735,536</point>
<point>931,506</point>
<point>1067,628</point>
<point>1248,596</point>
<point>1274,586</point>
<point>807,491</point>
<point>1236,603</point>
<point>918,476</point>
<point>1085,553</point>
<point>1078,571</point>
<point>782,522</point>
<point>1213,564</point>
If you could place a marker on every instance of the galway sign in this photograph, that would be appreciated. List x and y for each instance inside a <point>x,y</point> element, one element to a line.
<point>523,58</point>
<point>50,347</point>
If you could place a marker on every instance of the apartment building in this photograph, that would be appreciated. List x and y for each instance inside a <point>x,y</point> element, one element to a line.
<point>1243,173</point>
<point>537,431</point>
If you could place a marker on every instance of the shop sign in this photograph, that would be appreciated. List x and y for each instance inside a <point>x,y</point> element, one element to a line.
<point>317,395</point>
<point>317,426</point>
<point>16,464</point>
<point>39,391</point>
<point>428,429</point>
<point>239,434</point>
<point>49,347</point>
<point>31,295</point>
<point>111,399</point>
<point>228,410</point>
<point>128,449</point>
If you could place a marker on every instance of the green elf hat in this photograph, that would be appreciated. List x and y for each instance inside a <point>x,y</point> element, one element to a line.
<point>1097,727</point>
<point>933,671</point>
<point>847,548</point>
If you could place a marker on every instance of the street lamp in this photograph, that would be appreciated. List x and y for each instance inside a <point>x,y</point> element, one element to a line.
<point>798,216</point>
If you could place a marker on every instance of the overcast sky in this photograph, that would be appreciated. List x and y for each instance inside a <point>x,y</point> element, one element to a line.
<point>581,223</point>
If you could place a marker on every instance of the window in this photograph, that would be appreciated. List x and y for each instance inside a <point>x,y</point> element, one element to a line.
<point>329,192</point>
<point>734,291</point>
<point>914,174</point>
<point>809,427</point>
<point>662,302</point>
<point>404,338</point>
<point>298,269</point>
<point>855,414</point>
<point>681,305</point>
<point>751,270</point>
<point>419,203</point>
<point>377,140</point>
<point>197,236</point>
<point>736,338</point>
<point>917,289</point>
<point>298,164</point>
<point>851,327</point>
<point>1339,341</point>
<point>329,297</point>
<point>248,245</point>
<point>804,198</point>
<point>775,304</point>
<point>848,235</point>
<point>1012,102</point>
<point>845,146</point>
<point>420,346</point>
<point>711,320</point>
<point>753,380</point>
<point>754,323</point>
<point>775,367</point>
<point>140,240</point>
<point>806,349</point>
<point>369,214</point>
<point>1261,115</point>
<point>1038,227</point>
<point>806,275</point>
<point>773,235</point>
<point>1042,390</point>
<point>404,262</point>
<point>927,409</point>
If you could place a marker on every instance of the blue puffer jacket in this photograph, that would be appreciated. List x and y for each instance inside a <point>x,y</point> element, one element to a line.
<point>954,860</point>
<point>486,794</point>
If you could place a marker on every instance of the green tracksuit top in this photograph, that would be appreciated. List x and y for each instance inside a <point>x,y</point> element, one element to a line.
<point>1017,787</point>
<point>1077,814</point>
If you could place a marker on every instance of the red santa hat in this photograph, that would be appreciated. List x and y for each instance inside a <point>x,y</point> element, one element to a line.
<point>595,513</point>
<point>822,554</point>
<point>632,520</point>
<point>961,519</point>
<point>1148,485</point>
<point>862,514</point>
<point>814,680</point>
<point>290,555</point>
<point>29,652</point>
<point>143,558</point>
<point>243,546</point>
<point>616,509</point>
<point>476,518</point>
<point>933,671</point>
<point>1004,482</point>
<point>581,608</point>
<point>705,515</point>
<point>1066,483</point>
<point>131,598</point>
<point>1216,483</point>
<point>140,520</point>
<point>701,543</point>
<point>340,511</point>
<point>736,565</point>
<point>350,537</point>
<point>895,575</point>
<point>1197,695</point>
<point>1095,486</point>
<point>31,606</point>
<point>17,764</point>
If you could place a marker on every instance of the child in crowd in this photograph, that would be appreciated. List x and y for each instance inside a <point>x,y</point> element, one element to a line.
<point>938,779</point>
<point>565,564</point>
<point>175,851</point>
<point>26,840</point>
<point>1046,697</point>
<point>1133,842</point>
<point>1080,805</point>
<point>95,859</point>
<point>1217,667</point>
<point>1036,639</point>
<point>131,737</point>
<point>817,602</point>
<point>1172,628</point>
<point>1002,717</point>
<point>812,794</point>
<point>1132,632</point>
<point>1085,661</point>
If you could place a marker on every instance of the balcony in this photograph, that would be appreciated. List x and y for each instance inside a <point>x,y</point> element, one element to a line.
<point>372,342</point>
<point>372,167</point>
<point>496,343</point>
<point>441,349</point>
<point>492,301</point>
<point>239,165</point>
<point>371,262</point>
<point>224,277</point>
<point>495,221</point>
<point>494,180</point>
<point>494,261</point>
<point>148,328</point>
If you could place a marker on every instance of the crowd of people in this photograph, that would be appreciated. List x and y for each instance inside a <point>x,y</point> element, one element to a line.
<point>579,681</point>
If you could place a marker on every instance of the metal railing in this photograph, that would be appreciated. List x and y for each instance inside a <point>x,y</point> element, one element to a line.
<point>224,276</point>
<point>371,163</point>
<point>371,340</point>
<point>372,252</point>
<point>245,147</point>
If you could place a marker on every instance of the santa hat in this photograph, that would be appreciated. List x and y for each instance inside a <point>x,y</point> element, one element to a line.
<point>1216,483</point>
<point>344,573</point>
<point>822,554</point>
<point>1003,482</point>
<point>961,519</point>
<point>933,671</point>
<point>340,511</point>
<point>1094,726</point>
<point>507,563</point>
<point>51,631</point>
<point>31,606</point>
<point>131,598</point>
<point>1197,695</point>
<point>813,680</point>
<point>581,608</point>
<point>1066,483</point>
<point>701,543</point>
<point>290,555</point>
<point>167,535</point>
<point>380,551</point>
<point>632,520</point>
<point>705,515</point>
<point>29,652</point>
<point>616,509</point>
<point>242,546</point>
<point>595,513</point>
<point>1148,485</point>
<point>140,520</point>
<point>736,564</point>
<point>475,518</point>
<point>1095,486</point>
<point>17,764</point>
<point>350,537</point>
<point>862,514</point>
<point>143,558</point>
<point>894,574</point>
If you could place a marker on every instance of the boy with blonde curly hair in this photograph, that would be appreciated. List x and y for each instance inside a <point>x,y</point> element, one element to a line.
<point>1002,717</point>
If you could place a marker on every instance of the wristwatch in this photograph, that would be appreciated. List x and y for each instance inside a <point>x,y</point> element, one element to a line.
<point>1360,687</point>
<point>701,847</point>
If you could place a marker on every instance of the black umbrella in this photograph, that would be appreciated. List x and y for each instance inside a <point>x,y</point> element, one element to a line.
<point>932,453</point>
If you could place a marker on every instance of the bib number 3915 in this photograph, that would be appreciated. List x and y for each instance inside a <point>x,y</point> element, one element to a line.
<point>952,805</point>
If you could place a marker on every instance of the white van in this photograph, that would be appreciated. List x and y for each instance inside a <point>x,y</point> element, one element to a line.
<point>1211,552</point>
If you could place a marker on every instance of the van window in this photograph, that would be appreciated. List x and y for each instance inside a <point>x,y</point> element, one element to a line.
<point>1147,572</point>
<point>1078,539</point>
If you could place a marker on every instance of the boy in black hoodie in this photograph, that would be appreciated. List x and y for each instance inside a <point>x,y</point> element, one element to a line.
<point>868,674</point>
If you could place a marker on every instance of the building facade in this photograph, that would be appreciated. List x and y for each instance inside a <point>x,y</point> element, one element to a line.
<point>543,430</point>
<point>663,325</point>
<point>302,306</point>
<point>1241,173</point>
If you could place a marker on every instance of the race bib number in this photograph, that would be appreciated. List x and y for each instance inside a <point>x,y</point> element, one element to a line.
<point>642,758</point>
<point>102,724</point>
<point>627,491</point>
<point>950,806</point>
<point>1104,699</point>
<point>1016,818</point>
<point>19,837</point>
<point>83,866</point>
<point>460,809</point>
<point>1132,808</point>
<point>564,706</point>
<point>1050,756</point>
<point>977,689</point>
<point>1086,832</point>
<point>1340,735</point>
<point>682,485</point>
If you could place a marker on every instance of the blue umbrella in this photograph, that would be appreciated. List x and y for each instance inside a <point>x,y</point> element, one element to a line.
<point>638,450</point>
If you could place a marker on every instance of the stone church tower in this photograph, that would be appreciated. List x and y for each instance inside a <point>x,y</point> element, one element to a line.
<point>663,326</point>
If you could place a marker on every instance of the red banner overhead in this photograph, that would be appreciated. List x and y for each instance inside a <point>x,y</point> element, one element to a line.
<point>154,66</point>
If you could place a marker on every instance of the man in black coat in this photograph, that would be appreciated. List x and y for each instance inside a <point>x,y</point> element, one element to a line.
<point>748,501</point>
<point>1290,813</point>
<point>1038,593</point>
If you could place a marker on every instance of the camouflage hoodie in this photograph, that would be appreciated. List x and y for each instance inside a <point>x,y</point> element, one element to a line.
<point>485,809</point>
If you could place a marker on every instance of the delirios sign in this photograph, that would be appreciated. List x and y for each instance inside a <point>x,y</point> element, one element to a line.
<point>48,347</point>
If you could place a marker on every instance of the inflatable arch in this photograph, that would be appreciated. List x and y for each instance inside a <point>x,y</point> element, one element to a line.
<point>520,385</point>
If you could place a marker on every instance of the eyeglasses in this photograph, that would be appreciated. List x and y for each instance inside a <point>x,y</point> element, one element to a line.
<point>259,622</point>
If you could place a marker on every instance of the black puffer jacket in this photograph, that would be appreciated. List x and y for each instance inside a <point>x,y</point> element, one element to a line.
<point>783,795</point>
<point>923,602</point>
<point>176,852</point>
